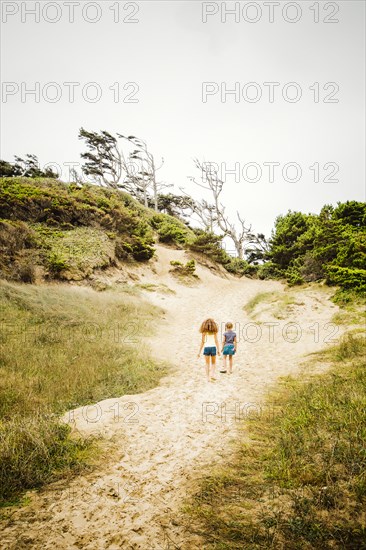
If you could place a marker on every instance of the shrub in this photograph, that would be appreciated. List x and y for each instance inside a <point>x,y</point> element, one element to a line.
<point>24,269</point>
<point>141,250</point>
<point>346,277</point>
<point>209,244</point>
<point>169,229</point>
<point>184,270</point>
<point>241,267</point>
<point>72,230</point>
<point>332,245</point>
<point>17,256</point>
<point>293,276</point>
<point>269,270</point>
<point>73,255</point>
<point>35,451</point>
<point>56,263</point>
<point>66,206</point>
<point>312,268</point>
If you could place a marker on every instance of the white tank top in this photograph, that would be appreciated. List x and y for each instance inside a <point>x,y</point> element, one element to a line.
<point>209,340</point>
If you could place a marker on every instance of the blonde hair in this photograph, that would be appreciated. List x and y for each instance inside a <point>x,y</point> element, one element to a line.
<point>209,326</point>
<point>229,325</point>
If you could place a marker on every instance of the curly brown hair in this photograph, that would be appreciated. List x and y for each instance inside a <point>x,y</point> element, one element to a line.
<point>209,326</point>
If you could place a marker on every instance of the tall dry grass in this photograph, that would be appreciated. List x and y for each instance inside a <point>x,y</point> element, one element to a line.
<point>62,347</point>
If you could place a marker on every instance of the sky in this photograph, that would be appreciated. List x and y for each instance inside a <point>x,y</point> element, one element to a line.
<point>292,129</point>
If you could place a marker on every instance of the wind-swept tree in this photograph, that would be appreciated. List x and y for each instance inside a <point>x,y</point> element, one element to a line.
<point>110,166</point>
<point>175,205</point>
<point>103,161</point>
<point>28,167</point>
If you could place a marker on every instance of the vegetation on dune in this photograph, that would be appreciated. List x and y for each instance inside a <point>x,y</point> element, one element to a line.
<point>71,230</point>
<point>280,304</point>
<point>62,347</point>
<point>184,270</point>
<point>171,230</point>
<point>330,246</point>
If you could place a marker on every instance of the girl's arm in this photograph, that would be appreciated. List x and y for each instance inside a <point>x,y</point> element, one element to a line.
<point>202,343</point>
<point>217,344</point>
<point>223,343</point>
<point>235,344</point>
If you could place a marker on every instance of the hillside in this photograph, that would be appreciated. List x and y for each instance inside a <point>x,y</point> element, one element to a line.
<point>51,230</point>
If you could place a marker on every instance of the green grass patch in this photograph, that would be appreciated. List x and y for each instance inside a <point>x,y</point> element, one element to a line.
<point>352,306</point>
<point>75,254</point>
<point>151,287</point>
<point>280,304</point>
<point>60,348</point>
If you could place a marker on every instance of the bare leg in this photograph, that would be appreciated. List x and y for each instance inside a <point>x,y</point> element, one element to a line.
<point>224,365</point>
<point>230,364</point>
<point>213,367</point>
<point>207,359</point>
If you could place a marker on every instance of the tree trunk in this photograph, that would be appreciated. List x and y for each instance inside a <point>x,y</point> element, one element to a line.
<point>155,190</point>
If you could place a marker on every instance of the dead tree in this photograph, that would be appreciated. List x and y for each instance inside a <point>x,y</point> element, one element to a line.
<point>204,211</point>
<point>146,170</point>
<point>215,213</point>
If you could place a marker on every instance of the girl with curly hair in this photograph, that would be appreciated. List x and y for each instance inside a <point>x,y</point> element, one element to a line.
<point>210,345</point>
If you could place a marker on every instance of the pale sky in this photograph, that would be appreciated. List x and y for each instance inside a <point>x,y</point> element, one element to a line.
<point>169,52</point>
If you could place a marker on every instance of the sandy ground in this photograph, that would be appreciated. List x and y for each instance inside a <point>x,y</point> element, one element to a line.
<point>166,438</point>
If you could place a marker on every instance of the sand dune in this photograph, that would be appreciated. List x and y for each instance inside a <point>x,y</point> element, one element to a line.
<point>166,438</point>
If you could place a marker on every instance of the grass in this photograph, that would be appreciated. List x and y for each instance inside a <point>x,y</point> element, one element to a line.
<point>352,310</point>
<point>75,254</point>
<point>300,481</point>
<point>280,303</point>
<point>151,287</point>
<point>63,347</point>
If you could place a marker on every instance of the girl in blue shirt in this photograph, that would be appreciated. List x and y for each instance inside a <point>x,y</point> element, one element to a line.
<point>229,346</point>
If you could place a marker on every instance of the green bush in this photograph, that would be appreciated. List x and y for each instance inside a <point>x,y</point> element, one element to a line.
<point>241,267</point>
<point>186,270</point>
<point>269,270</point>
<point>346,277</point>
<point>293,276</point>
<point>66,206</point>
<point>141,250</point>
<point>170,233</point>
<point>209,244</point>
<point>312,267</point>
<point>56,263</point>
<point>169,229</point>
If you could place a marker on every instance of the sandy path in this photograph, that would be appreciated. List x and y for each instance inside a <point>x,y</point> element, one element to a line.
<point>164,437</point>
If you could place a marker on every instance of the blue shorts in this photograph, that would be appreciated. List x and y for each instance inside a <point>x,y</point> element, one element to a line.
<point>209,350</point>
<point>229,349</point>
